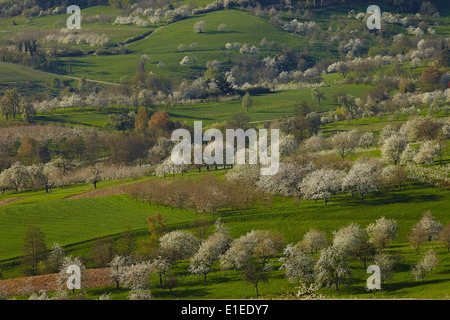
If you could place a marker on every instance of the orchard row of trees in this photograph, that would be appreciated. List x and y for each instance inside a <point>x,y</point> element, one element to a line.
<point>204,194</point>
<point>38,145</point>
<point>284,66</point>
<point>310,170</point>
<point>59,172</point>
<point>429,135</point>
<point>404,152</point>
<point>314,260</point>
<point>42,7</point>
<point>12,104</point>
<point>246,69</point>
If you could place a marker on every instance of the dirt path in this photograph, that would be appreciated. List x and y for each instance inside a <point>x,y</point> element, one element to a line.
<point>96,81</point>
<point>89,194</point>
<point>48,282</point>
<point>157,29</point>
<point>8,201</point>
<point>98,193</point>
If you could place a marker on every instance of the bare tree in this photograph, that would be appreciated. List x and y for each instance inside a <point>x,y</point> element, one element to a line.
<point>417,237</point>
<point>102,252</point>
<point>444,237</point>
<point>253,273</point>
<point>34,250</point>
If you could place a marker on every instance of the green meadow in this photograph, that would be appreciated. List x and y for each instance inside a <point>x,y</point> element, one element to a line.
<point>76,223</point>
<point>163,46</point>
<point>19,26</point>
<point>265,107</point>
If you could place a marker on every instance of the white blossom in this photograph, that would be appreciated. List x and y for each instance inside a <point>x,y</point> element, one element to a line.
<point>361,179</point>
<point>296,264</point>
<point>321,184</point>
<point>382,231</point>
<point>209,252</point>
<point>347,239</point>
<point>427,153</point>
<point>185,61</point>
<point>182,244</point>
<point>331,269</point>
<point>392,148</point>
<point>241,249</point>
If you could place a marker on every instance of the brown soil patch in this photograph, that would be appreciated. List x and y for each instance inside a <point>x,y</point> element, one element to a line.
<point>47,282</point>
<point>98,193</point>
<point>8,201</point>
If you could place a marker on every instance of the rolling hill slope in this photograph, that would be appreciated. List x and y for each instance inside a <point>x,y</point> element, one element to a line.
<point>163,46</point>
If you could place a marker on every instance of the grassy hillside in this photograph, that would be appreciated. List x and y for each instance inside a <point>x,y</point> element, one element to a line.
<point>163,45</point>
<point>61,219</point>
<point>266,107</point>
<point>80,220</point>
<point>10,73</point>
<point>19,26</point>
<point>78,223</point>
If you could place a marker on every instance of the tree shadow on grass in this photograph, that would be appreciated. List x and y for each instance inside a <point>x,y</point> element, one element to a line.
<point>103,73</point>
<point>222,32</point>
<point>391,287</point>
<point>353,289</point>
<point>112,290</point>
<point>175,115</point>
<point>402,267</point>
<point>389,198</point>
<point>59,119</point>
<point>79,63</point>
<point>180,292</point>
<point>357,288</point>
